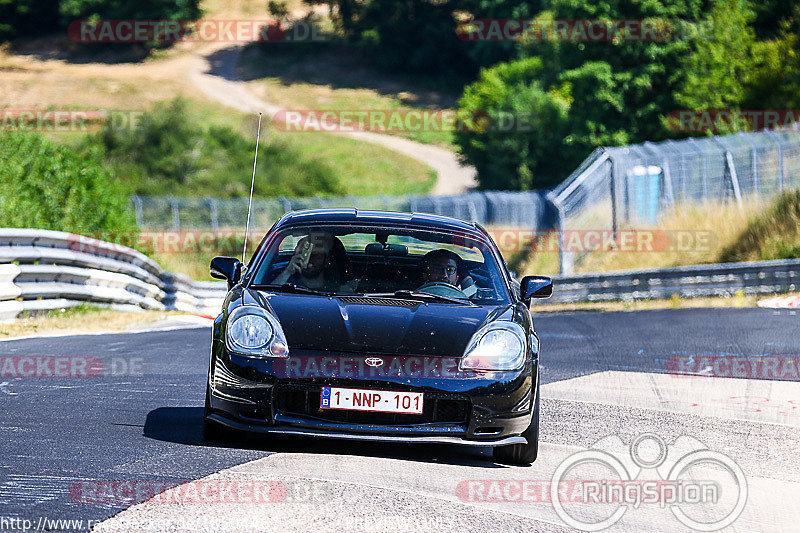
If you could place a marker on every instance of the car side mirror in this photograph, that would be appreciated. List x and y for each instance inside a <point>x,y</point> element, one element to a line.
<point>227,268</point>
<point>535,287</point>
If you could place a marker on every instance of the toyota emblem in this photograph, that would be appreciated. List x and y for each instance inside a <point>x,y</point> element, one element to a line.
<point>373,361</point>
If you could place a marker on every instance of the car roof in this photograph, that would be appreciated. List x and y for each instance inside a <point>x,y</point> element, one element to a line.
<point>355,216</point>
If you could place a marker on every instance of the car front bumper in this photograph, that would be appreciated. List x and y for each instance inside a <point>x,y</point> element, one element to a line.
<point>461,407</point>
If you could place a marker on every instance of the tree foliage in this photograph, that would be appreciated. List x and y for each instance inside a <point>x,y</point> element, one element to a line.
<point>32,18</point>
<point>510,150</point>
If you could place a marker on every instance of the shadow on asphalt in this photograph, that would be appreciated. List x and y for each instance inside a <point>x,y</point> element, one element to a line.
<point>183,425</point>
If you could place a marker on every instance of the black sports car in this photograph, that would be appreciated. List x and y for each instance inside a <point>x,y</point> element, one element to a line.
<point>377,326</point>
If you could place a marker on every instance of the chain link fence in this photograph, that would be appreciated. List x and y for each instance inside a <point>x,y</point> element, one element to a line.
<point>636,185</point>
<point>627,186</point>
<point>529,210</point>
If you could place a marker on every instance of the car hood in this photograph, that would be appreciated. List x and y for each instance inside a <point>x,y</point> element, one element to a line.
<point>367,325</point>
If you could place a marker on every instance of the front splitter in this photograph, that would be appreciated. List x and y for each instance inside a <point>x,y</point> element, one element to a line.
<point>411,439</point>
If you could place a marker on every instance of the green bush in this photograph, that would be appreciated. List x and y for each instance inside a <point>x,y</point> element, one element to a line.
<point>170,151</point>
<point>52,187</point>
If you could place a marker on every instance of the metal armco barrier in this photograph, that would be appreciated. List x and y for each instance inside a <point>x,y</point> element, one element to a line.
<point>42,270</point>
<point>726,279</point>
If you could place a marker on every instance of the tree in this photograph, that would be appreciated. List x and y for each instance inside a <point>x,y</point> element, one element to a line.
<point>514,128</point>
<point>716,72</point>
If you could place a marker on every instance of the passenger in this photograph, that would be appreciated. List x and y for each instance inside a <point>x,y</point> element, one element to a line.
<point>319,262</point>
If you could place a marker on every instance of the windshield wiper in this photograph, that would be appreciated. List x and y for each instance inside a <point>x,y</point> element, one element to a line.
<point>292,287</point>
<point>425,296</point>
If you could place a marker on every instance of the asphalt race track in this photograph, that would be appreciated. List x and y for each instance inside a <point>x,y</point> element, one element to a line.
<point>604,374</point>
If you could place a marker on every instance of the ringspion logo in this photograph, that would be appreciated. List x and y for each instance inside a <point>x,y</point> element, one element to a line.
<point>689,475</point>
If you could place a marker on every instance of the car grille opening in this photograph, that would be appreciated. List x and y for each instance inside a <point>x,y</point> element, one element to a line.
<point>303,400</point>
<point>367,300</point>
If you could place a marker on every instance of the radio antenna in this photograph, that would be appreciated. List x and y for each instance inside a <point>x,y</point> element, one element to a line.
<point>252,182</point>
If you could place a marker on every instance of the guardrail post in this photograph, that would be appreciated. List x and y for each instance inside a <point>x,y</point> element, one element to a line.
<point>780,158</point>
<point>214,212</point>
<point>137,209</point>
<point>614,207</point>
<point>737,193</point>
<point>176,216</point>
<point>565,263</point>
<point>754,160</point>
<point>473,211</point>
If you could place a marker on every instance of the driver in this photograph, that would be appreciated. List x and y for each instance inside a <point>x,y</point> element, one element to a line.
<point>443,266</point>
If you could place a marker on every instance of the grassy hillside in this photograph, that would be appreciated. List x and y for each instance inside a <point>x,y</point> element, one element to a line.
<point>185,148</point>
<point>331,76</point>
<point>771,234</point>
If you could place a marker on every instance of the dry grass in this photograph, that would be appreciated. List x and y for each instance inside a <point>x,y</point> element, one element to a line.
<point>773,234</point>
<point>332,77</point>
<point>692,235</point>
<point>194,265</point>
<point>81,319</point>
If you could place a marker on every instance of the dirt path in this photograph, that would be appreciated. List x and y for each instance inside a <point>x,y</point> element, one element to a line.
<point>218,80</point>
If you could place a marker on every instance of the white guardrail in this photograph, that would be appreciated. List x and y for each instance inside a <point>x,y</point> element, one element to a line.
<point>42,270</point>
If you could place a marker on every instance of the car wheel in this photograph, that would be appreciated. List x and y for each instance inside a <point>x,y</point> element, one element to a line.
<point>522,454</point>
<point>212,431</point>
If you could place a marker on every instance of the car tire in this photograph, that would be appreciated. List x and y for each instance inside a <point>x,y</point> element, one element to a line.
<point>212,431</point>
<point>522,454</point>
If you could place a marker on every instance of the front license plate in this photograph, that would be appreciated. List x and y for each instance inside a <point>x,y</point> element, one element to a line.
<point>381,401</point>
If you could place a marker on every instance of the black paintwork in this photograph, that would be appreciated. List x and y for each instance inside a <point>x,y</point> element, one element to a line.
<point>331,333</point>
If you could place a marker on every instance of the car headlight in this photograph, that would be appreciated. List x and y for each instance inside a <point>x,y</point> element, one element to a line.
<point>254,332</point>
<point>497,346</point>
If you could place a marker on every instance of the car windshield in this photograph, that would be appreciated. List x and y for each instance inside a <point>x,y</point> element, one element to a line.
<point>382,261</point>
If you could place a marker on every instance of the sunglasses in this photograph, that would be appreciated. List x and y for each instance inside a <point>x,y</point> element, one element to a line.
<point>441,269</point>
